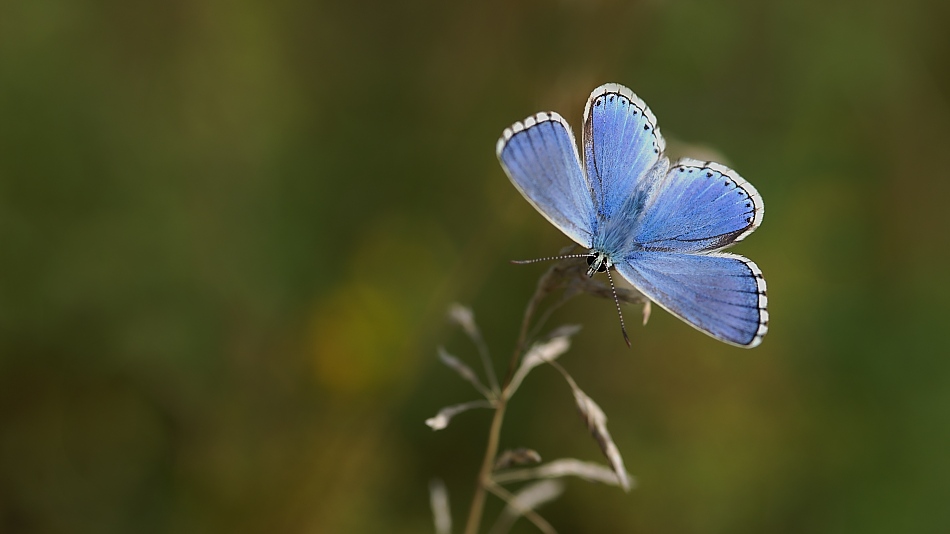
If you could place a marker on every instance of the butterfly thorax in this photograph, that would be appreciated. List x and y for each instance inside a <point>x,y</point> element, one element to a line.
<point>612,236</point>
<point>618,229</point>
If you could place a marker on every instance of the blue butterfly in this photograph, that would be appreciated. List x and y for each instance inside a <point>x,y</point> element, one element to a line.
<point>662,226</point>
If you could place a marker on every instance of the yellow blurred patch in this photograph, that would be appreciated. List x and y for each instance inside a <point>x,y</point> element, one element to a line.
<point>363,335</point>
<point>358,339</point>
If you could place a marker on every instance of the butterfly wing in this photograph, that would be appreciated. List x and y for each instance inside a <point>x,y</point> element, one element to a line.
<point>540,157</point>
<point>621,145</point>
<point>698,207</point>
<point>720,294</point>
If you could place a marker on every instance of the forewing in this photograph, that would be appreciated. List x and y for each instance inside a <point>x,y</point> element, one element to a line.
<point>540,157</point>
<point>699,207</point>
<point>720,294</point>
<point>621,144</point>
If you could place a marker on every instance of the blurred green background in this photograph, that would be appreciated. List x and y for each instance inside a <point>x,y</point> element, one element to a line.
<point>229,232</point>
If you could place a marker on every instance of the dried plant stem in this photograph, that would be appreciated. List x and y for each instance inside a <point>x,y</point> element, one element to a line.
<point>484,481</point>
<point>484,475</point>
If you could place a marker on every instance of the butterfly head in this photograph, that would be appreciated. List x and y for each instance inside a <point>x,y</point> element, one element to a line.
<point>598,262</point>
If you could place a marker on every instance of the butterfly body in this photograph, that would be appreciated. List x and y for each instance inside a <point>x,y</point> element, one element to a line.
<point>661,225</point>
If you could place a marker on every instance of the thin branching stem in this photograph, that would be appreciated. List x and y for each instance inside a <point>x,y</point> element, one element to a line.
<point>484,474</point>
<point>548,312</point>
<point>486,362</point>
<point>491,449</point>
<point>544,287</point>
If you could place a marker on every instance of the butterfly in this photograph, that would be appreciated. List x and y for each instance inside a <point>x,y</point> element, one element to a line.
<point>663,226</point>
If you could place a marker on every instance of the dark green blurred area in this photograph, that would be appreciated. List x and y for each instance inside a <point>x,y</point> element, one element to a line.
<point>229,232</point>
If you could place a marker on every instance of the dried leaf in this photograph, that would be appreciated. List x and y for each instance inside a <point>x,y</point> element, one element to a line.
<point>538,354</point>
<point>566,330</point>
<point>573,275</point>
<point>441,419</point>
<point>465,318</point>
<point>520,456</point>
<point>561,468</point>
<point>439,501</point>
<point>526,500</point>
<point>464,371</point>
<point>597,424</point>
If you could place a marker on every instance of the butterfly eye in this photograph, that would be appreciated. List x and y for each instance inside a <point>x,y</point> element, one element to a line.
<point>600,268</point>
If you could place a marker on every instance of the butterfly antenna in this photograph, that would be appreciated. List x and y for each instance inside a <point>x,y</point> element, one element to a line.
<point>617,302</point>
<point>549,258</point>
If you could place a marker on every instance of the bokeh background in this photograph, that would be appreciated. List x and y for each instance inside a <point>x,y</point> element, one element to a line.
<point>229,232</point>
